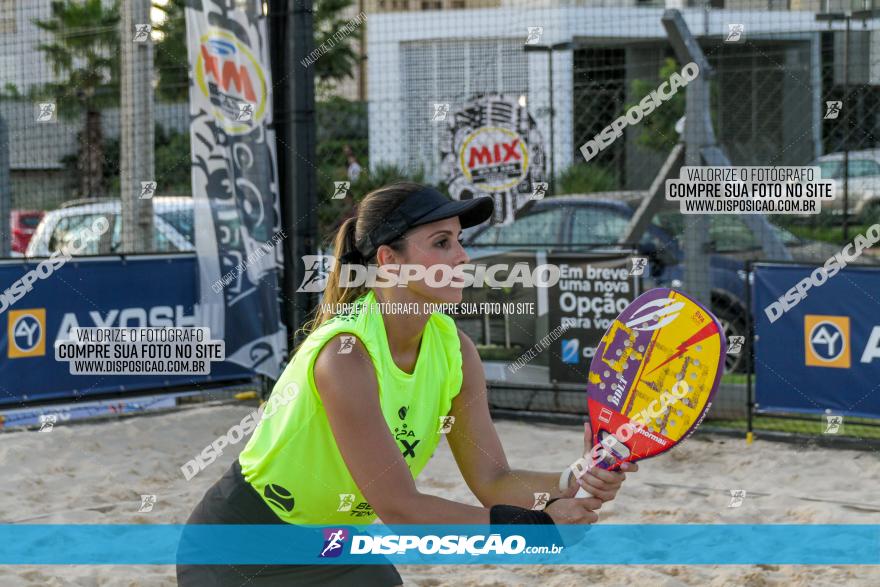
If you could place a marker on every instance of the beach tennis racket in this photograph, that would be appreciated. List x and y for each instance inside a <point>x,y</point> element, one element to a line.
<point>653,377</point>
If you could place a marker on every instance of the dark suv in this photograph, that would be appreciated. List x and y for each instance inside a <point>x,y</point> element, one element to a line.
<point>584,223</point>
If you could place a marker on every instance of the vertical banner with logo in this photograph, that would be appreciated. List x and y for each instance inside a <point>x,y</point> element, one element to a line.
<point>491,146</point>
<point>235,181</point>
<point>817,350</point>
<point>591,292</point>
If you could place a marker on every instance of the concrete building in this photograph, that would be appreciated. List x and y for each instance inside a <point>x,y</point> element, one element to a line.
<point>769,91</point>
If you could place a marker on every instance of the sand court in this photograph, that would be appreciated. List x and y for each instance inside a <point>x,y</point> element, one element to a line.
<point>96,473</point>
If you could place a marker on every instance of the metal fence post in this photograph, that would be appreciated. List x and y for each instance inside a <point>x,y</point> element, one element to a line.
<point>5,191</point>
<point>136,133</point>
<point>749,349</point>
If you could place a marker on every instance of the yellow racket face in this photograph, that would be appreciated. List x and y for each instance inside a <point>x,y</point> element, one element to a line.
<point>656,368</point>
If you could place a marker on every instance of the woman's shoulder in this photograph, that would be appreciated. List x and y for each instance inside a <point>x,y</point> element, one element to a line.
<point>343,369</point>
<point>345,351</point>
<point>445,324</point>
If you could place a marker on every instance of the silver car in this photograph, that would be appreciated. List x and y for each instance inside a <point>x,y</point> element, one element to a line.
<point>864,181</point>
<point>172,227</point>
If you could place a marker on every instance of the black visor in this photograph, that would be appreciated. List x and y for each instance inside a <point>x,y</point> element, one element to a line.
<point>423,207</point>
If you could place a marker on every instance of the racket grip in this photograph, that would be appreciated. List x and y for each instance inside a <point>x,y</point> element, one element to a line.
<point>563,484</point>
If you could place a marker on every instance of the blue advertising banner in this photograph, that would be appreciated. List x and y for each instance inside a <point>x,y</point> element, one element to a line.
<point>134,292</point>
<point>607,544</point>
<point>817,347</point>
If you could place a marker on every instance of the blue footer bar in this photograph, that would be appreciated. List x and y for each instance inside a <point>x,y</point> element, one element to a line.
<point>813,544</point>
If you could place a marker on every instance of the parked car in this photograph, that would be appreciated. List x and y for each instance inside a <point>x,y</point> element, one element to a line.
<point>172,226</point>
<point>864,181</point>
<point>565,223</point>
<point>22,224</point>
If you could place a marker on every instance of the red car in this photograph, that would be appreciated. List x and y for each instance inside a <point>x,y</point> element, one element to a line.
<point>22,224</point>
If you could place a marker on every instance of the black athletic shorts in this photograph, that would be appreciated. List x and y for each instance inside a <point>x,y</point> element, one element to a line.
<point>232,500</point>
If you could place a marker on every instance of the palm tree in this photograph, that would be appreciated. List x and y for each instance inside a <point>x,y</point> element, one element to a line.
<point>171,60</point>
<point>84,56</point>
<point>338,63</point>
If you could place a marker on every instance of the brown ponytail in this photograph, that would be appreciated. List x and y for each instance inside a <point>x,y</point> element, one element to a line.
<point>372,211</point>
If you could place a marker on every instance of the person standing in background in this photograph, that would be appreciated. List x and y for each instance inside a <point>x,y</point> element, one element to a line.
<point>354,169</point>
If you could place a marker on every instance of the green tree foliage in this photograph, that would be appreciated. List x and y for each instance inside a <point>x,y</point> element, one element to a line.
<point>84,55</point>
<point>172,163</point>
<point>339,62</point>
<point>584,178</point>
<point>170,55</point>
<point>172,160</point>
<point>657,130</point>
<point>334,66</point>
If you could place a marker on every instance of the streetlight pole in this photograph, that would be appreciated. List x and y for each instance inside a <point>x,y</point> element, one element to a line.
<point>136,129</point>
<point>549,49</point>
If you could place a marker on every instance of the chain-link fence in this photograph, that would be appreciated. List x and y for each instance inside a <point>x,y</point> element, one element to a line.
<point>791,85</point>
<point>73,75</point>
<point>472,96</point>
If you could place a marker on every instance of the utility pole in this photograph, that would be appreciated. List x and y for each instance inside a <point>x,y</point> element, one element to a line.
<point>136,140</point>
<point>550,49</point>
<point>698,135</point>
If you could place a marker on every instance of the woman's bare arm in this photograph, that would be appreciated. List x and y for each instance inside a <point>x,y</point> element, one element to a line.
<point>481,459</point>
<point>477,448</point>
<point>348,388</point>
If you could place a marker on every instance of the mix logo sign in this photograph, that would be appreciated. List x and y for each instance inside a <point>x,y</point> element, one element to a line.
<point>229,75</point>
<point>492,147</point>
<point>494,158</point>
<point>827,341</point>
<point>26,333</point>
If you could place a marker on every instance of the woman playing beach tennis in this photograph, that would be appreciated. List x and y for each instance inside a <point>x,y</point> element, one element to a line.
<point>373,389</point>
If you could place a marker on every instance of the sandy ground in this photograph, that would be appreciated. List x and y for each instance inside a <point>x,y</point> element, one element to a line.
<point>96,473</point>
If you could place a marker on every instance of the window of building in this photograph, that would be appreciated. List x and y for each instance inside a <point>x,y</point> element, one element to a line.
<point>7,16</point>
